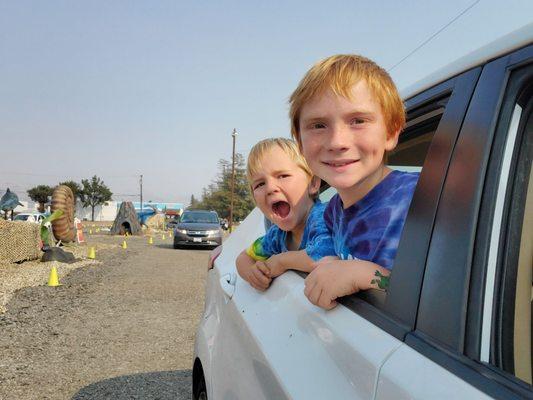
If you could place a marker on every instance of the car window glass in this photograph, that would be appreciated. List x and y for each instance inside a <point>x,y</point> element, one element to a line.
<point>507,328</point>
<point>201,217</point>
<point>522,354</point>
<point>414,141</point>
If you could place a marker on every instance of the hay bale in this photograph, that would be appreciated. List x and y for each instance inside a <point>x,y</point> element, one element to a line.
<point>156,221</point>
<point>19,241</point>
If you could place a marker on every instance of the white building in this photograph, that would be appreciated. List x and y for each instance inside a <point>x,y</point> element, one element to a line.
<point>106,212</point>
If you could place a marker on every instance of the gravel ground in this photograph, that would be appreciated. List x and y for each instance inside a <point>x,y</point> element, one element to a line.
<point>119,328</point>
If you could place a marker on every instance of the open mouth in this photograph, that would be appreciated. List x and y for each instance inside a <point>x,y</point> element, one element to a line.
<point>281,208</point>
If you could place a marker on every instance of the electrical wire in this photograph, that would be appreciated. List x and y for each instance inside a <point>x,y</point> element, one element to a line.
<point>434,35</point>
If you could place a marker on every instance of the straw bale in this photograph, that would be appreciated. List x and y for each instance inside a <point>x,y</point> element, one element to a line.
<point>19,241</point>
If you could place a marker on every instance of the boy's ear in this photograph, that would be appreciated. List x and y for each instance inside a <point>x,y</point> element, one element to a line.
<point>314,185</point>
<point>392,140</point>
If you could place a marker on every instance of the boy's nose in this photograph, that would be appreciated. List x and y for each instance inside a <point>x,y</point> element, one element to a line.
<point>339,138</point>
<point>271,187</point>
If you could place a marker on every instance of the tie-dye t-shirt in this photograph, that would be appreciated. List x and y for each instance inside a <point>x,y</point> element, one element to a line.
<point>371,228</point>
<point>316,239</point>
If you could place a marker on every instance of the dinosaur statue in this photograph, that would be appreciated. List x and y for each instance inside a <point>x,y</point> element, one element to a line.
<point>9,202</point>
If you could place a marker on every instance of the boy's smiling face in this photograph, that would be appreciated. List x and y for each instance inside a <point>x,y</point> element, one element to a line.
<point>344,141</point>
<point>282,191</point>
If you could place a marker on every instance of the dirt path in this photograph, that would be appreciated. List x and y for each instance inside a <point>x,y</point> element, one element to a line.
<point>123,329</point>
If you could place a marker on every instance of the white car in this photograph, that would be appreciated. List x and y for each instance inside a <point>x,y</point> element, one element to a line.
<point>30,217</point>
<point>456,321</point>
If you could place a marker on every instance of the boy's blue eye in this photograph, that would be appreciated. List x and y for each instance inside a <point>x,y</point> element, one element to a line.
<point>319,126</point>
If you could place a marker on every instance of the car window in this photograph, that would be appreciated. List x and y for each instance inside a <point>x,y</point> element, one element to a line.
<point>507,313</point>
<point>201,217</point>
<point>474,306</point>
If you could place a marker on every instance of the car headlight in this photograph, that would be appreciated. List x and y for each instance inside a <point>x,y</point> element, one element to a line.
<point>184,231</point>
<point>212,232</point>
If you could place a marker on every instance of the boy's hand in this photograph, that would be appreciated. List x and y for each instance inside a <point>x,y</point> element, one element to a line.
<point>254,272</point>
<point>275,266</point>
<point>336,278</point>
<point>258,276</point>
<point>329,280</point>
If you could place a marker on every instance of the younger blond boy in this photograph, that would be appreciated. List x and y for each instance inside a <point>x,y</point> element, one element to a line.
<point>346,114</point>
<point>285,191</point>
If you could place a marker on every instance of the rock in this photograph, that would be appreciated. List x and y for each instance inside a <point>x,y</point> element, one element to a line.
<point>58,254</point>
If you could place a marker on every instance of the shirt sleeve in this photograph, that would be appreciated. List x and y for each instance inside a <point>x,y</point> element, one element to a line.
<point>256,250</point>
<point>266,246</point>
<point>320,242</point>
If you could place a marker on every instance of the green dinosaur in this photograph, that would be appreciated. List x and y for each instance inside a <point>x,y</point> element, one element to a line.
<point>45,233</point>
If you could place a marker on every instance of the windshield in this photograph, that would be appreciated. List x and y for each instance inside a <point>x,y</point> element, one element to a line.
<point>21,218</point>
<point>199,216</point>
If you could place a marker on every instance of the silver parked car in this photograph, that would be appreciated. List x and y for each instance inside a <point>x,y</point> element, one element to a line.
<point>198,228</point>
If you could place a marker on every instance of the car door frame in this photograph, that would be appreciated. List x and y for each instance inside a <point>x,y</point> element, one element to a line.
<point>455,274</point>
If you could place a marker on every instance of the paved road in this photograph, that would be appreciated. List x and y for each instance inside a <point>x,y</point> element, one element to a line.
<point>121,330</point>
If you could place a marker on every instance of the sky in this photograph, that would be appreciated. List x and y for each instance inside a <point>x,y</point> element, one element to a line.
<point>123,88</point>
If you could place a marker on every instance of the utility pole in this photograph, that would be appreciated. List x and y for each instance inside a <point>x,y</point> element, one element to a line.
<point>141,183</point>
<point>234,136</point>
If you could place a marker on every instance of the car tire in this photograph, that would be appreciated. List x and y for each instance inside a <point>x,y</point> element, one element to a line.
<point>201,391</point>
<point>175,245</point>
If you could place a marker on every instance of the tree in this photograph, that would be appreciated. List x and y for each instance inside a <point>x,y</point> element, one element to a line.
<point>94,193</point>
<point>40,194</point>
<point>74,186</point>
<point>194,202</point>
<point>217,195</point>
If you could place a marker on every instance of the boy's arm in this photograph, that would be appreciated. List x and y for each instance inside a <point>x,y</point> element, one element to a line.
<point>333,279</point>
<point>297,260</point>
<point>252,272</point>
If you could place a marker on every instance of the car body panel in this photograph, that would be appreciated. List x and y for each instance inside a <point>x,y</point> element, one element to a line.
<point>408,375</point>
<point>328,349</point>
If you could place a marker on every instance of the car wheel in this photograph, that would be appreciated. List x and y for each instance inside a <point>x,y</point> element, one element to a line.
<point>176,246</point>
<point>201,391</point>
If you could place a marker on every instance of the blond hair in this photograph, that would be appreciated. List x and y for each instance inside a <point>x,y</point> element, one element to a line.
<point>339,73</point>
<point>259,150</point>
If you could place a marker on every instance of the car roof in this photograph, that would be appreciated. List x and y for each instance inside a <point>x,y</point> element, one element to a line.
<point>464,45</point>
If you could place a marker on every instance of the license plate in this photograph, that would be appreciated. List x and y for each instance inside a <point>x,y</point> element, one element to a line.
<point>197,240</point>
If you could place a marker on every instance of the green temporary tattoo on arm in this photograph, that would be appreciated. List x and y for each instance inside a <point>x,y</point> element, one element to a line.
<point>381,280</point>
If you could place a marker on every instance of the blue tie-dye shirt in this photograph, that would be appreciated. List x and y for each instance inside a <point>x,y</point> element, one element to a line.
<point>316,239</point>
<point>371,228</point>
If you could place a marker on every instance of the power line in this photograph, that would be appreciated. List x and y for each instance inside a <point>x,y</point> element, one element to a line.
<point>61,176</point>
<point>434,35</point>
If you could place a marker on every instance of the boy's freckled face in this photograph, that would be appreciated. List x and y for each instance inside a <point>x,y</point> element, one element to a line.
<point>281,190</point>
<point>344,140</point>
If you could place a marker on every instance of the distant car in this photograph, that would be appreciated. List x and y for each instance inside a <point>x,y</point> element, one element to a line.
<point>30,217</point>
<point>198,228</point>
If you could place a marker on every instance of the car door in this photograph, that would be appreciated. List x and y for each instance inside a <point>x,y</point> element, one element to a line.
<point>277,345</point>
<point>472,336</point>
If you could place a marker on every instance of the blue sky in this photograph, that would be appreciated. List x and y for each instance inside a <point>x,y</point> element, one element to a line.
<point>123,88</point>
